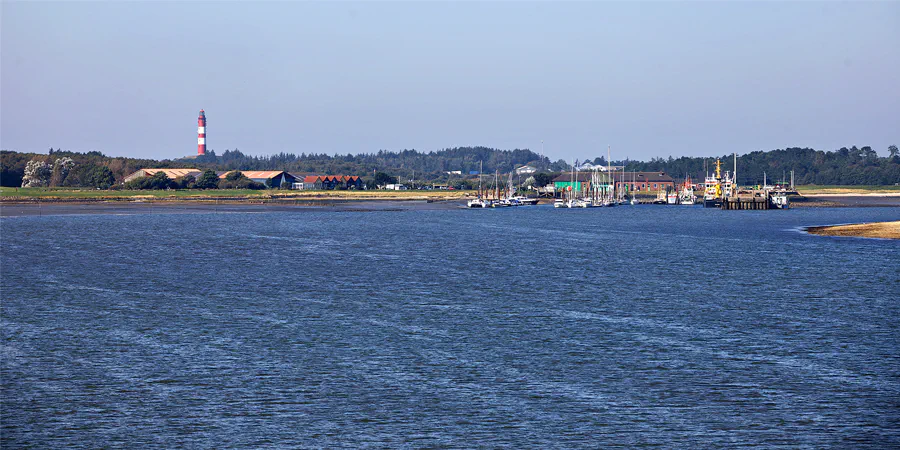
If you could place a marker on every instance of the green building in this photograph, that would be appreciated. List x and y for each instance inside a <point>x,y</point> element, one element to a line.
<point>584,183</point>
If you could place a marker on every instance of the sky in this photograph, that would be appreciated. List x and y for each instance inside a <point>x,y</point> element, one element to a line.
<point>647,79</point>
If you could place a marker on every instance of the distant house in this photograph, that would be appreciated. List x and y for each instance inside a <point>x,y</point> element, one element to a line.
<point>455,172</point>
<point>318,182</point>
<point>525,170</point>
<point>644,181</point>
<point>396,187</point>
<point>277,177</point>
<point>171,173</point>
<point>587,166</point>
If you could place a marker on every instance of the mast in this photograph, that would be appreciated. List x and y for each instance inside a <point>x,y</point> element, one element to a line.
<point>734,182</point>
<point>480,169</point>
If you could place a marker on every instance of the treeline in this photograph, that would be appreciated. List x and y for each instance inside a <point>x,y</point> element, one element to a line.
<point>845,166</point>
<point>406,163</point>
<point>463,159</point>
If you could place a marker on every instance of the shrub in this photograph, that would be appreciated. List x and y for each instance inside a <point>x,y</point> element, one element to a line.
<point>208,180</point>
<point>159,180</point>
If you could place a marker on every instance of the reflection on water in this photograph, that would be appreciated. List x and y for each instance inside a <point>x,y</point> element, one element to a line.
<point>519,327</point>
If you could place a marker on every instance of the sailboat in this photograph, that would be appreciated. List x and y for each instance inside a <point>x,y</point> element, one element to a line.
<point>633,200</point>
<point>609,198</point>
<point>575,201</point>
<point>479,202</point>
<point>498,202</point>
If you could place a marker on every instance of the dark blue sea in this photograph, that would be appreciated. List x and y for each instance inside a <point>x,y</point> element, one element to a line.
<point>647,326</point>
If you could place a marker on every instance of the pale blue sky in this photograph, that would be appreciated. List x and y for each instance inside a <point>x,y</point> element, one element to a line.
<point>650,79</point>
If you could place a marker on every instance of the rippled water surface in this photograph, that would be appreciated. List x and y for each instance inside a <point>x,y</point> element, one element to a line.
<point>631,326</point>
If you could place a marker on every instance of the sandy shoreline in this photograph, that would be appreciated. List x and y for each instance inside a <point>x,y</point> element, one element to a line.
<point>883,230</point>
<point>849,194</point>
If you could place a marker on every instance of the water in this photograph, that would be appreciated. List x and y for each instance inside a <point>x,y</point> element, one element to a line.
<point>631,326</point>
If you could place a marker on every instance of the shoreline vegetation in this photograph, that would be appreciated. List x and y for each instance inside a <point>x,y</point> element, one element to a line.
<point>881,230</point>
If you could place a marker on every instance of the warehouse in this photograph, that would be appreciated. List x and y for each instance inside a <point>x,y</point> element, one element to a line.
<point>171,173</point>
<point>644,181</point>
<point>271,178</point>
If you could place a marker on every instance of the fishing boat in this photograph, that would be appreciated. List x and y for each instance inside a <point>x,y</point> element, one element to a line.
<point>686,195</point>
<point>660,198</point>
<point>671,197</point>
<point>779,200</point>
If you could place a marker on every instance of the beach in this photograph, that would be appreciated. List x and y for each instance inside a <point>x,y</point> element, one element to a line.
<point>883,230</point>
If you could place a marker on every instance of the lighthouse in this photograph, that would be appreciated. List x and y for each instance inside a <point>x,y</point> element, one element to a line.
<point>201,134</point>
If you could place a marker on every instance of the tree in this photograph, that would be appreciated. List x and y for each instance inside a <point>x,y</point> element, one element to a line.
<point>10,175</point>
<point>542,179</point>
<point>185,182</point>
<point>208,180</point>
<point>100,177</point>
<point>382,179</point>
<point>159,180</point>
<point>37,174</point>
<point>235,176</point>
<point>892,150</point>
<point>61,168</point>
<point>237,180</point>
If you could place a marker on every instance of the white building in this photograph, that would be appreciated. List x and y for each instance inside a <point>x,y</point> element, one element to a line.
<point>525,170</point>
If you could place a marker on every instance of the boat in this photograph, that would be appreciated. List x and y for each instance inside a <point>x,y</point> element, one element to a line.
<point>479,202</point>
<point>511,199</point>
<point>660,198</point>
<point>719,187</point>
<point>671,198</point>
<point>686,195</point>
<point>779,200</point>
<point>714,188</point>
<point>634,200</point>
<point>526,200</point>
<point>560,203</point>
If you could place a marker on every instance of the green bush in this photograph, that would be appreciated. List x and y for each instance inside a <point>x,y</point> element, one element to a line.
<point>157,181</point>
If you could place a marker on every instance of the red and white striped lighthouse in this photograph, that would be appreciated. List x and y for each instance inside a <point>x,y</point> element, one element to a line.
<point>201,133</point>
